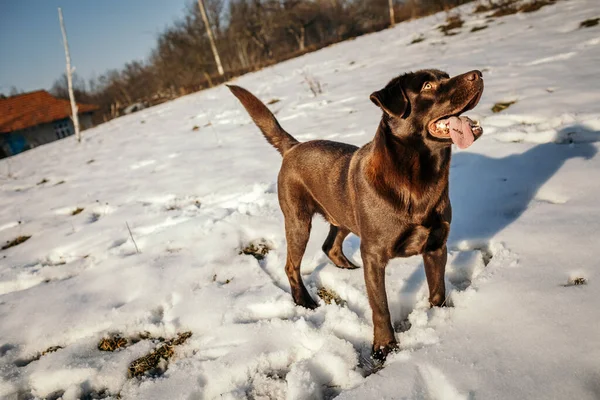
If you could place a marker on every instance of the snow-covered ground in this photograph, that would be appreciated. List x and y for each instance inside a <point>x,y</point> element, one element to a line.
<point>526,224</point>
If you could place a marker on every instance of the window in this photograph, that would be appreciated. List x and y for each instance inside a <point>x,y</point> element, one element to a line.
<point>62,129</point>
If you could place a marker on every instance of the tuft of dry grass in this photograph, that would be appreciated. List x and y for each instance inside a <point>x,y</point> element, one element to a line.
<point>481,8</point>
<point>501,106</point>
<point>478,28</point>
<point>577,281</point>
<point>273,101</point>
<point>257,250</point>
<point>16,241</point>
<point>588,23</point>
<point>26,361</point>
<point>156,362</point>
<point>504,11</point>
<point>196,128</point>
<point>50,349</point>
<point>453,21</point>
<point>112,343</point>
<point>329,296</point>
<point>76,211</point>
<point>418,39</point>
<point>509,7</point>
<point>313,84</point>
<point>534,5</point>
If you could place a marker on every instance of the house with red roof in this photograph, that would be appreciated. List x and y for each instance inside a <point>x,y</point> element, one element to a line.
<point>32,119</point>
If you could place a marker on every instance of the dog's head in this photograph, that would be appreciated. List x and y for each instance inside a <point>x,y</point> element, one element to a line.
<point>429,103</point>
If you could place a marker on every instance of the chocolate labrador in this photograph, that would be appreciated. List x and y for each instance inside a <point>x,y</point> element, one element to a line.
<point>392,192</point>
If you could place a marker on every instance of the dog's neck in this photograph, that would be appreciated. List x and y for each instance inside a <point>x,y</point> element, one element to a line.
<point>401,162</point>
<point>400,141</point>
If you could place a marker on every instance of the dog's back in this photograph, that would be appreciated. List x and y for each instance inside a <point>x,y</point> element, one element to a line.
<point>319,171</point>
<point>316,171</point>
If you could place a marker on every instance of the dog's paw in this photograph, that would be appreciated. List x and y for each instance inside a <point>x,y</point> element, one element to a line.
<point>380,353</point>
<point>307,302</point>
<point>437,300</point>
<point>348,266</point>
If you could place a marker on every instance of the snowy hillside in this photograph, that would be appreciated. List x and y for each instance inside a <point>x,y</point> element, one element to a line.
<point>522,271</point>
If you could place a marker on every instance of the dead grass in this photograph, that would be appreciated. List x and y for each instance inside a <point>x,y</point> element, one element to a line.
<point>329,296</point>
<point>534,5</point>
<point>25,362</point>
<point>453,21</point>
<point>418,39</point>
<point>501,106</point>
<point>196,128</point>
<point>76,211</point>
<point>51,349</point>
<point>112,343</point>
<point>504,11</point>
<point>500,8</point>
<point>481,8</point>
<point>257,250</point>
<point>588,23</point>
<point>478,28</point>
<point>273,101</point>
<point>156,362</point>
<point>313,84</point>
<point>510,7</point>
<point>16,241</point>
<point>578,281</point>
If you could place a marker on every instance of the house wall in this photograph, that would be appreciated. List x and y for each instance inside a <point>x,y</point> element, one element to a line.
<point>18,141</point>
<point>85,121</point>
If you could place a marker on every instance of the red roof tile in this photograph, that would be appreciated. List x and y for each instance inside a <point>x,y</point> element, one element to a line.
<point>34,108</point>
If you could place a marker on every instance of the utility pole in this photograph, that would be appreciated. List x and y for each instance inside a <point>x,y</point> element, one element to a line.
<point>70,71</point>
<point>391,7</point>
<point>211,38</point>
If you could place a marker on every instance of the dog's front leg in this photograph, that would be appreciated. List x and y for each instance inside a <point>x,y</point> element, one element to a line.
<point>435,268</point>
<point>384,340</point>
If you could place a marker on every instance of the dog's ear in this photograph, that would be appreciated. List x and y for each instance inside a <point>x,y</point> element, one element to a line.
<point>391,100</point>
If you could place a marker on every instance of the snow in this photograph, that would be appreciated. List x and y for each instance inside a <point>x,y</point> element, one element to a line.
<point>526,218</point>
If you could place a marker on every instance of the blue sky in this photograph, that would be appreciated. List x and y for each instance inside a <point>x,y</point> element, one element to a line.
<point>103,34</point>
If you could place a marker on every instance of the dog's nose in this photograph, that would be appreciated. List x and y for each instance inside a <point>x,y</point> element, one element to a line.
<point>474,75</point>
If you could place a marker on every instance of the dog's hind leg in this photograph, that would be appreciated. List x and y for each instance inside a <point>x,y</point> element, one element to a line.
<point>333,247</point>
<point>297,232</point>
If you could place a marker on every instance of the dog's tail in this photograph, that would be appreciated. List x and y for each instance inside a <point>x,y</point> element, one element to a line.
<point>265,120</point>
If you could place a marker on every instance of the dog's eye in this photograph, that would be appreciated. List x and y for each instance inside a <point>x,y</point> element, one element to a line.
<point>427,86</point>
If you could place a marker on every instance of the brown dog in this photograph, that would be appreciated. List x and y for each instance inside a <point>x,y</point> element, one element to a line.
<point>392,192</point>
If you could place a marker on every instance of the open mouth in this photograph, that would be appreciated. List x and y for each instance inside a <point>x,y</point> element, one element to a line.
<point>460,129</point>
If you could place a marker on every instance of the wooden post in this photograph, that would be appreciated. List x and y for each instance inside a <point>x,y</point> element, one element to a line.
<point>70,70</point>
<point>391,6</point>
<point>211,38</point>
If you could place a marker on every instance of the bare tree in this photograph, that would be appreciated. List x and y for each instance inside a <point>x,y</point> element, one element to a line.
<point>60,88</point>
<point>209,33</point>
<point>70,71</point>
<point>14,91</point>
<point>300,15</point>
<point>248,34</point>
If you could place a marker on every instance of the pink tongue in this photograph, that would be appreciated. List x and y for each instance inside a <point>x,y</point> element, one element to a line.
<point>460,131</point>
